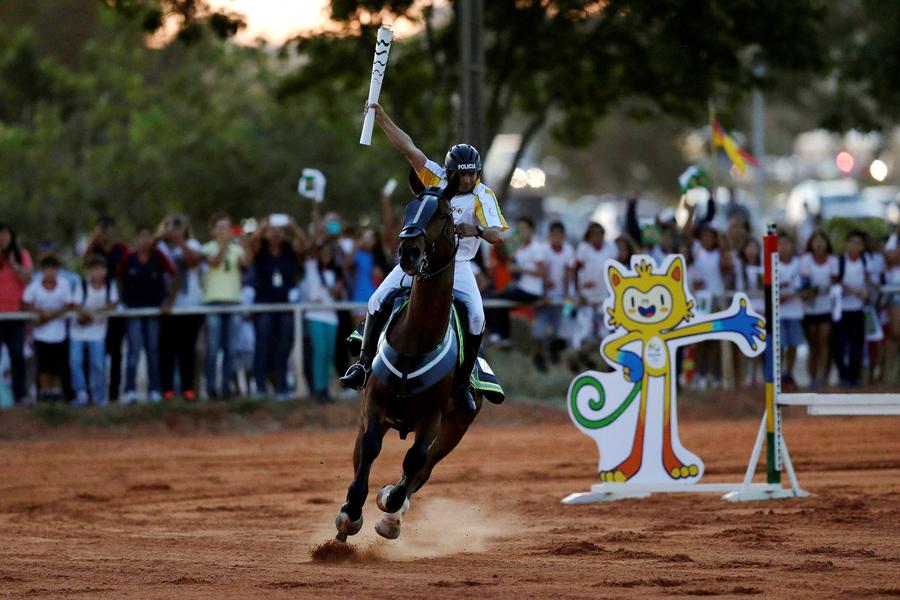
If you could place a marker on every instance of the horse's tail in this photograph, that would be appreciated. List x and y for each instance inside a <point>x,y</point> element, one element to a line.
<point>590,421</point>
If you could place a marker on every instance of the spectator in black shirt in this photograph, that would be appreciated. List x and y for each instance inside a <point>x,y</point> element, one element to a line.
<point>275,259</point>
<point>142,281</point>
<point>103,243</point>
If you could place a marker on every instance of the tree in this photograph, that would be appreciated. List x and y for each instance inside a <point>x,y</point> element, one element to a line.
<point>863,87</point>
<point>564,64</point>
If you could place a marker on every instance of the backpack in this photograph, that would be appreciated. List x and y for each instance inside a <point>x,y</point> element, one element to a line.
<point>842,260</point>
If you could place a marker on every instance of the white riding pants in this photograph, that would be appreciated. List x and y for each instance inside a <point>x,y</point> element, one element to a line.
<point>465,289</point>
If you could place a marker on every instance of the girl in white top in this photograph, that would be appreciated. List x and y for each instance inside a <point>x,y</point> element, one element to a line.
<point>749,279</point>
<point>178,333</point>
<point>818,269</point>
<point>749,274</point>
<point>321,285</point>
<point>791,307</point>
<point>710,261</point>
<point>849,337</point>
<point>892,333</point>
<point>590,280</point>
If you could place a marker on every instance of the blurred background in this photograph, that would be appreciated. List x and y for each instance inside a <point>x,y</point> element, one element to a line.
<point>144,107</point>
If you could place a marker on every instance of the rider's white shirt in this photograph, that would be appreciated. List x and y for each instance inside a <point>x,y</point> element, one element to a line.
<point>478,207</point>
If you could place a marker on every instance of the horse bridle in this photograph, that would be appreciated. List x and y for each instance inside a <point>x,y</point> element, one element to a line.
<point>414,230</point>
<point>423,272</point>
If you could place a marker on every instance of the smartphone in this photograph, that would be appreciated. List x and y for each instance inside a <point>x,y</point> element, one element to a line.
<point>278,220</point>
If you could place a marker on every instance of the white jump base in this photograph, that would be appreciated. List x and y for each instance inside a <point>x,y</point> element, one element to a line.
<point>844,404</point>
<point>607,492</point>
<point>732,492</point>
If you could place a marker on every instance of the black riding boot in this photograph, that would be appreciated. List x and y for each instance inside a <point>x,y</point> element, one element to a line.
<point>358,374</point>
<point>463,396</point>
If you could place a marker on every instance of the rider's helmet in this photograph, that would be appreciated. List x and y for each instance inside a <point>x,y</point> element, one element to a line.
<point>463,158</point>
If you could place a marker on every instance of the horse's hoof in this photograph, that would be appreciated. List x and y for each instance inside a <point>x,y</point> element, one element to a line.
<point>388,527</point>
<point>381,498</point>
<point>345,526</point>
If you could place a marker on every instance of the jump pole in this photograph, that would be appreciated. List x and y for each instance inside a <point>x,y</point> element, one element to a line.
<point>770,428</point>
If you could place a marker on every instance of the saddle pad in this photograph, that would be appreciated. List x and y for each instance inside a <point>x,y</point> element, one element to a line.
<point>483,378</point>
<point>410,375</point>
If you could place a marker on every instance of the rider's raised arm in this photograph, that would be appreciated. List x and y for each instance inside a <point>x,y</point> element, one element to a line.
<point>399,138</point>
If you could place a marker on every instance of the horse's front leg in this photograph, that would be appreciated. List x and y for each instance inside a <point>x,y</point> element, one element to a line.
<point>454,426</point>
<point>394,499</point>
<point>368,445</point>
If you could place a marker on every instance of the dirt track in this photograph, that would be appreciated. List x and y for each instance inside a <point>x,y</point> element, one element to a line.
<point>237,516</point>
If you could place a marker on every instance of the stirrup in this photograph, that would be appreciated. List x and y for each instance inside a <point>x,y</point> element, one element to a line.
<point>351,378</point>
<point>465,400</point>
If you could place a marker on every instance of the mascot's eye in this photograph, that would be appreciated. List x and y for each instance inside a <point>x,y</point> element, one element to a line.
<point>632,302</point>
<point>662,299</point>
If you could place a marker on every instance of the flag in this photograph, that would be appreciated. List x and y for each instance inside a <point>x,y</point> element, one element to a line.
<point>738,156</point>
<point>312,185</point>
<point>693,177</point>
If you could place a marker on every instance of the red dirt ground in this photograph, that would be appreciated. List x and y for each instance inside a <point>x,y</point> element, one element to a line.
<point>216,516</point>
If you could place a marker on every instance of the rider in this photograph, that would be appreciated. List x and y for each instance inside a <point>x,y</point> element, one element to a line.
<point>477,216</point>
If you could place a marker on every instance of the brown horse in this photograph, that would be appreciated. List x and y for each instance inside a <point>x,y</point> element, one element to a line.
<point>427,254</point>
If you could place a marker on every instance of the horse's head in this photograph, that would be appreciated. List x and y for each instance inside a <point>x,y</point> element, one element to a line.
<point>427,240</point>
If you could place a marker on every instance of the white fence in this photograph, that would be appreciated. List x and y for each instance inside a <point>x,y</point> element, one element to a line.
<point>299,308</point>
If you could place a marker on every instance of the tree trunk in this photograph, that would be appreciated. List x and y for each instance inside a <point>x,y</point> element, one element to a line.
<point>530,131</point>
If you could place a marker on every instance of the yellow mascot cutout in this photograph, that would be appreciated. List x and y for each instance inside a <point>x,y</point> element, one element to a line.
<point>631,412</point>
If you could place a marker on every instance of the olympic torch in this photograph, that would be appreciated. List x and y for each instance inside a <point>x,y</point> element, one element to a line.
<point>379,66</point>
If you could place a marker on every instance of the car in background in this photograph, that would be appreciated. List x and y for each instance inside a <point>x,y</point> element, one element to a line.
<point>886,195</point>
<point>829,199</point>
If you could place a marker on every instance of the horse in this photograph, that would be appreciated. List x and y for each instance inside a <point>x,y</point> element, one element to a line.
<point>427,254</point>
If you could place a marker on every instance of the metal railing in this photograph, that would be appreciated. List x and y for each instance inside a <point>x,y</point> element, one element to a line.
<point>300,387</point>
<point>298,309</point>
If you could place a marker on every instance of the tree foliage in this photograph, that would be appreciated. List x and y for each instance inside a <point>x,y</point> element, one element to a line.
<point>137,132</point>
<point>564,64</point>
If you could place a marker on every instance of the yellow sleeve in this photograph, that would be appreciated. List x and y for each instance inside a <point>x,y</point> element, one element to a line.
<point>431,174</point>
<point>487,210</point>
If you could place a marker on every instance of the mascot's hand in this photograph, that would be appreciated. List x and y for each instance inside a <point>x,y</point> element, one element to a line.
<point>633,365</point>
<point>748,326</point>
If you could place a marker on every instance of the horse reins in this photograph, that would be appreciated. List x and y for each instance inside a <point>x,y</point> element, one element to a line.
<point>423,272</point>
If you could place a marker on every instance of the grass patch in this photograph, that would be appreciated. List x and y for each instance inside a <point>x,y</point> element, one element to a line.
<point>54,415</point>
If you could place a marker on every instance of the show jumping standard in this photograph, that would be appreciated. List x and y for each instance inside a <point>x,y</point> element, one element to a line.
<point>420,349</point>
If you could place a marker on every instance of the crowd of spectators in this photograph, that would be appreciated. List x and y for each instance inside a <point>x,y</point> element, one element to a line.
<point>829,301</point>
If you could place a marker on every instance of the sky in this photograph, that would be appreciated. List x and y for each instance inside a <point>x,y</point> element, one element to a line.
<point>276,20</point>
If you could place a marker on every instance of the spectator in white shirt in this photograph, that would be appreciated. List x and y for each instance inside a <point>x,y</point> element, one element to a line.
<point>876,266</point>
<point>50,297</point>
<point>749,279</point>
<point>529,266</point>
<point>94,298</point>
<point>818,271</point>
<point>892,337</point>
<point>178,333</point>
<point>590,280</point>
<point>559,258</point>
<point>321,285</point>
<point>791,307</point>
<point>850,333</point>
<point>710,264</point>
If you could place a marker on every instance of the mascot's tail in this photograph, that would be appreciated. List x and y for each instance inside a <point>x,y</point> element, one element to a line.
<point>586,421</point>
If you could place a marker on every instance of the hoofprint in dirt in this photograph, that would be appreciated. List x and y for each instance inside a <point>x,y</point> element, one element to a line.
<point>241,516</point>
